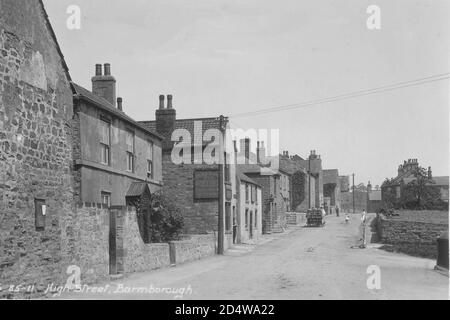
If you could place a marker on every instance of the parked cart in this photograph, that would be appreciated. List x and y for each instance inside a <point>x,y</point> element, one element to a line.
<point>315,218</point>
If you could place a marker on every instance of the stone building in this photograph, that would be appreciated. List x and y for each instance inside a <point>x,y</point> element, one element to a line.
<point>331,191</point>
<point>113,153</point>
<point>36,191</point>
<point>275,185</point>
<point>248,221</point>
<point>194,160</point>
<point>395,191</point>
<point>374,203</point>
<point>306,180</point>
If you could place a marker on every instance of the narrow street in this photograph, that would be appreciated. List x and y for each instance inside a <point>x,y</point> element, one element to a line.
<point>305,263</point>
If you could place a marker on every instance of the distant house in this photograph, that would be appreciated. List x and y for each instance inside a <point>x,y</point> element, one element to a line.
<point>249,220</point>
<point>113,153</point>
<point>275,185</point>
<point>306,180</point>
<point>331,190</point>
<point>395,191</point>
<point>191,181</point>
<point>374,201</point>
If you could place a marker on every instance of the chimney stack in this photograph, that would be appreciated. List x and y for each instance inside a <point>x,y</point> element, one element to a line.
<point>161,102</point>
<point>98,69</point>
<point>119,104</point>
<point>261,153</point>
<point>165,121</point>
<point>169,101</point>
<point>104,85</point>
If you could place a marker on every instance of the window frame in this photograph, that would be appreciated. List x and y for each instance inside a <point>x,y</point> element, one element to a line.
<point>108,194</point>
<point>103,146</point>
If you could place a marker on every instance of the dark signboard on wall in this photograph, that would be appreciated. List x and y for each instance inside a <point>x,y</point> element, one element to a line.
<point>206,184</point>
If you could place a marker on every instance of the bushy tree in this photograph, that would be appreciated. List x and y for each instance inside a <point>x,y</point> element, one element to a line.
<point>166,219</point>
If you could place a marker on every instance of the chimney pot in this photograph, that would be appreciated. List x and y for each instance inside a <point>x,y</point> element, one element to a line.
<point>98,69</point>
<point>169,101</point>
<point>107,68</point>
<point>161,102</point>
<point>119,103</point>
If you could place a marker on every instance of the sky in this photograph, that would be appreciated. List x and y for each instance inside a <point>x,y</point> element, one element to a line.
<point>225,57</point>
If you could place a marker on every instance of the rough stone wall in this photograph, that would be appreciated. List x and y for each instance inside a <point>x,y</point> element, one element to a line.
<point>195,248</point>
<point>35,147</point>
<point>88,241</point>
<point>411,237</point>
<point>178,183</point>
<point>139,256</point>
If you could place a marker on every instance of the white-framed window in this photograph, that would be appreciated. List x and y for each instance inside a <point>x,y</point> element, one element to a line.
<point>247,196</point>
<point>105,142</point>
<point>130,150</point>
<point>106,199</point>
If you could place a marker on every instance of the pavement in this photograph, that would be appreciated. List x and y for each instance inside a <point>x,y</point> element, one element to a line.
<point>302,263</point>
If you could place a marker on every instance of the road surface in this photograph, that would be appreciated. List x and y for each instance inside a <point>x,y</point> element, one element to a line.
<point>305,263</point>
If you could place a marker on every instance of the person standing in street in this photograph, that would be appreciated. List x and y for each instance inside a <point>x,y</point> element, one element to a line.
<point>363,225</point>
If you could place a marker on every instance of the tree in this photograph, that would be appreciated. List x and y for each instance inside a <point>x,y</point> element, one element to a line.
<point>419,191</point>
<point>166,219</point>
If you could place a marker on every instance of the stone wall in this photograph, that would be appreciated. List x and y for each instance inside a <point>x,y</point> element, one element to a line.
<point>410,237</point>
<point>138,256</point>
<point>35,147</point>
<point>194,248</point>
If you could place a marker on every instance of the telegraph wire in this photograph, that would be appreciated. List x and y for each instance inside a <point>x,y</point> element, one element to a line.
<point>360,93</point>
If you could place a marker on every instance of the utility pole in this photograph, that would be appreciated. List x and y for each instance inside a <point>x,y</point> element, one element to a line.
<point>353,192</point>
<point>221,227</point>
<point>309,180</point>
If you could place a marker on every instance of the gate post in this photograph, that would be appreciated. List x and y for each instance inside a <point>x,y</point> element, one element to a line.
<point>116,252</point>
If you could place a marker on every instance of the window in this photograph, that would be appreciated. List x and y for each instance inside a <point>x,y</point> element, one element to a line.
<point>40,210</point>
<point>150,160</point>
<point>106,199</point>
<point>105,142</point>
<point>246,193</point>
<point>130,151</point>
<point>256,219</point>
<point>253,192</point>
<point>246,219</point>
<point>256,195</point>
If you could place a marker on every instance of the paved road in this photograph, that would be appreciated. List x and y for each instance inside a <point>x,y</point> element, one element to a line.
<point>306,263</point>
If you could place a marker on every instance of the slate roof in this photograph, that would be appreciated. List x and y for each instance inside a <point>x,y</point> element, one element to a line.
<point>188,124</point>
<point>136,189</point>
<point>438,181</point>
<point>82,93</point>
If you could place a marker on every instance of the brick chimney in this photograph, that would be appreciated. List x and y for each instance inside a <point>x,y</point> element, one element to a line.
<point>104,85</point>
<point>165,120</point>
<point>245,149</point>
<point>261,153</point>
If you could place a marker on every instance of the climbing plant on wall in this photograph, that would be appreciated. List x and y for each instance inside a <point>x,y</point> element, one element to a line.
<point>298,188</point>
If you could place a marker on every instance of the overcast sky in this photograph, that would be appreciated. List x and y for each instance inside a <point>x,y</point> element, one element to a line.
<point>232,56</point>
